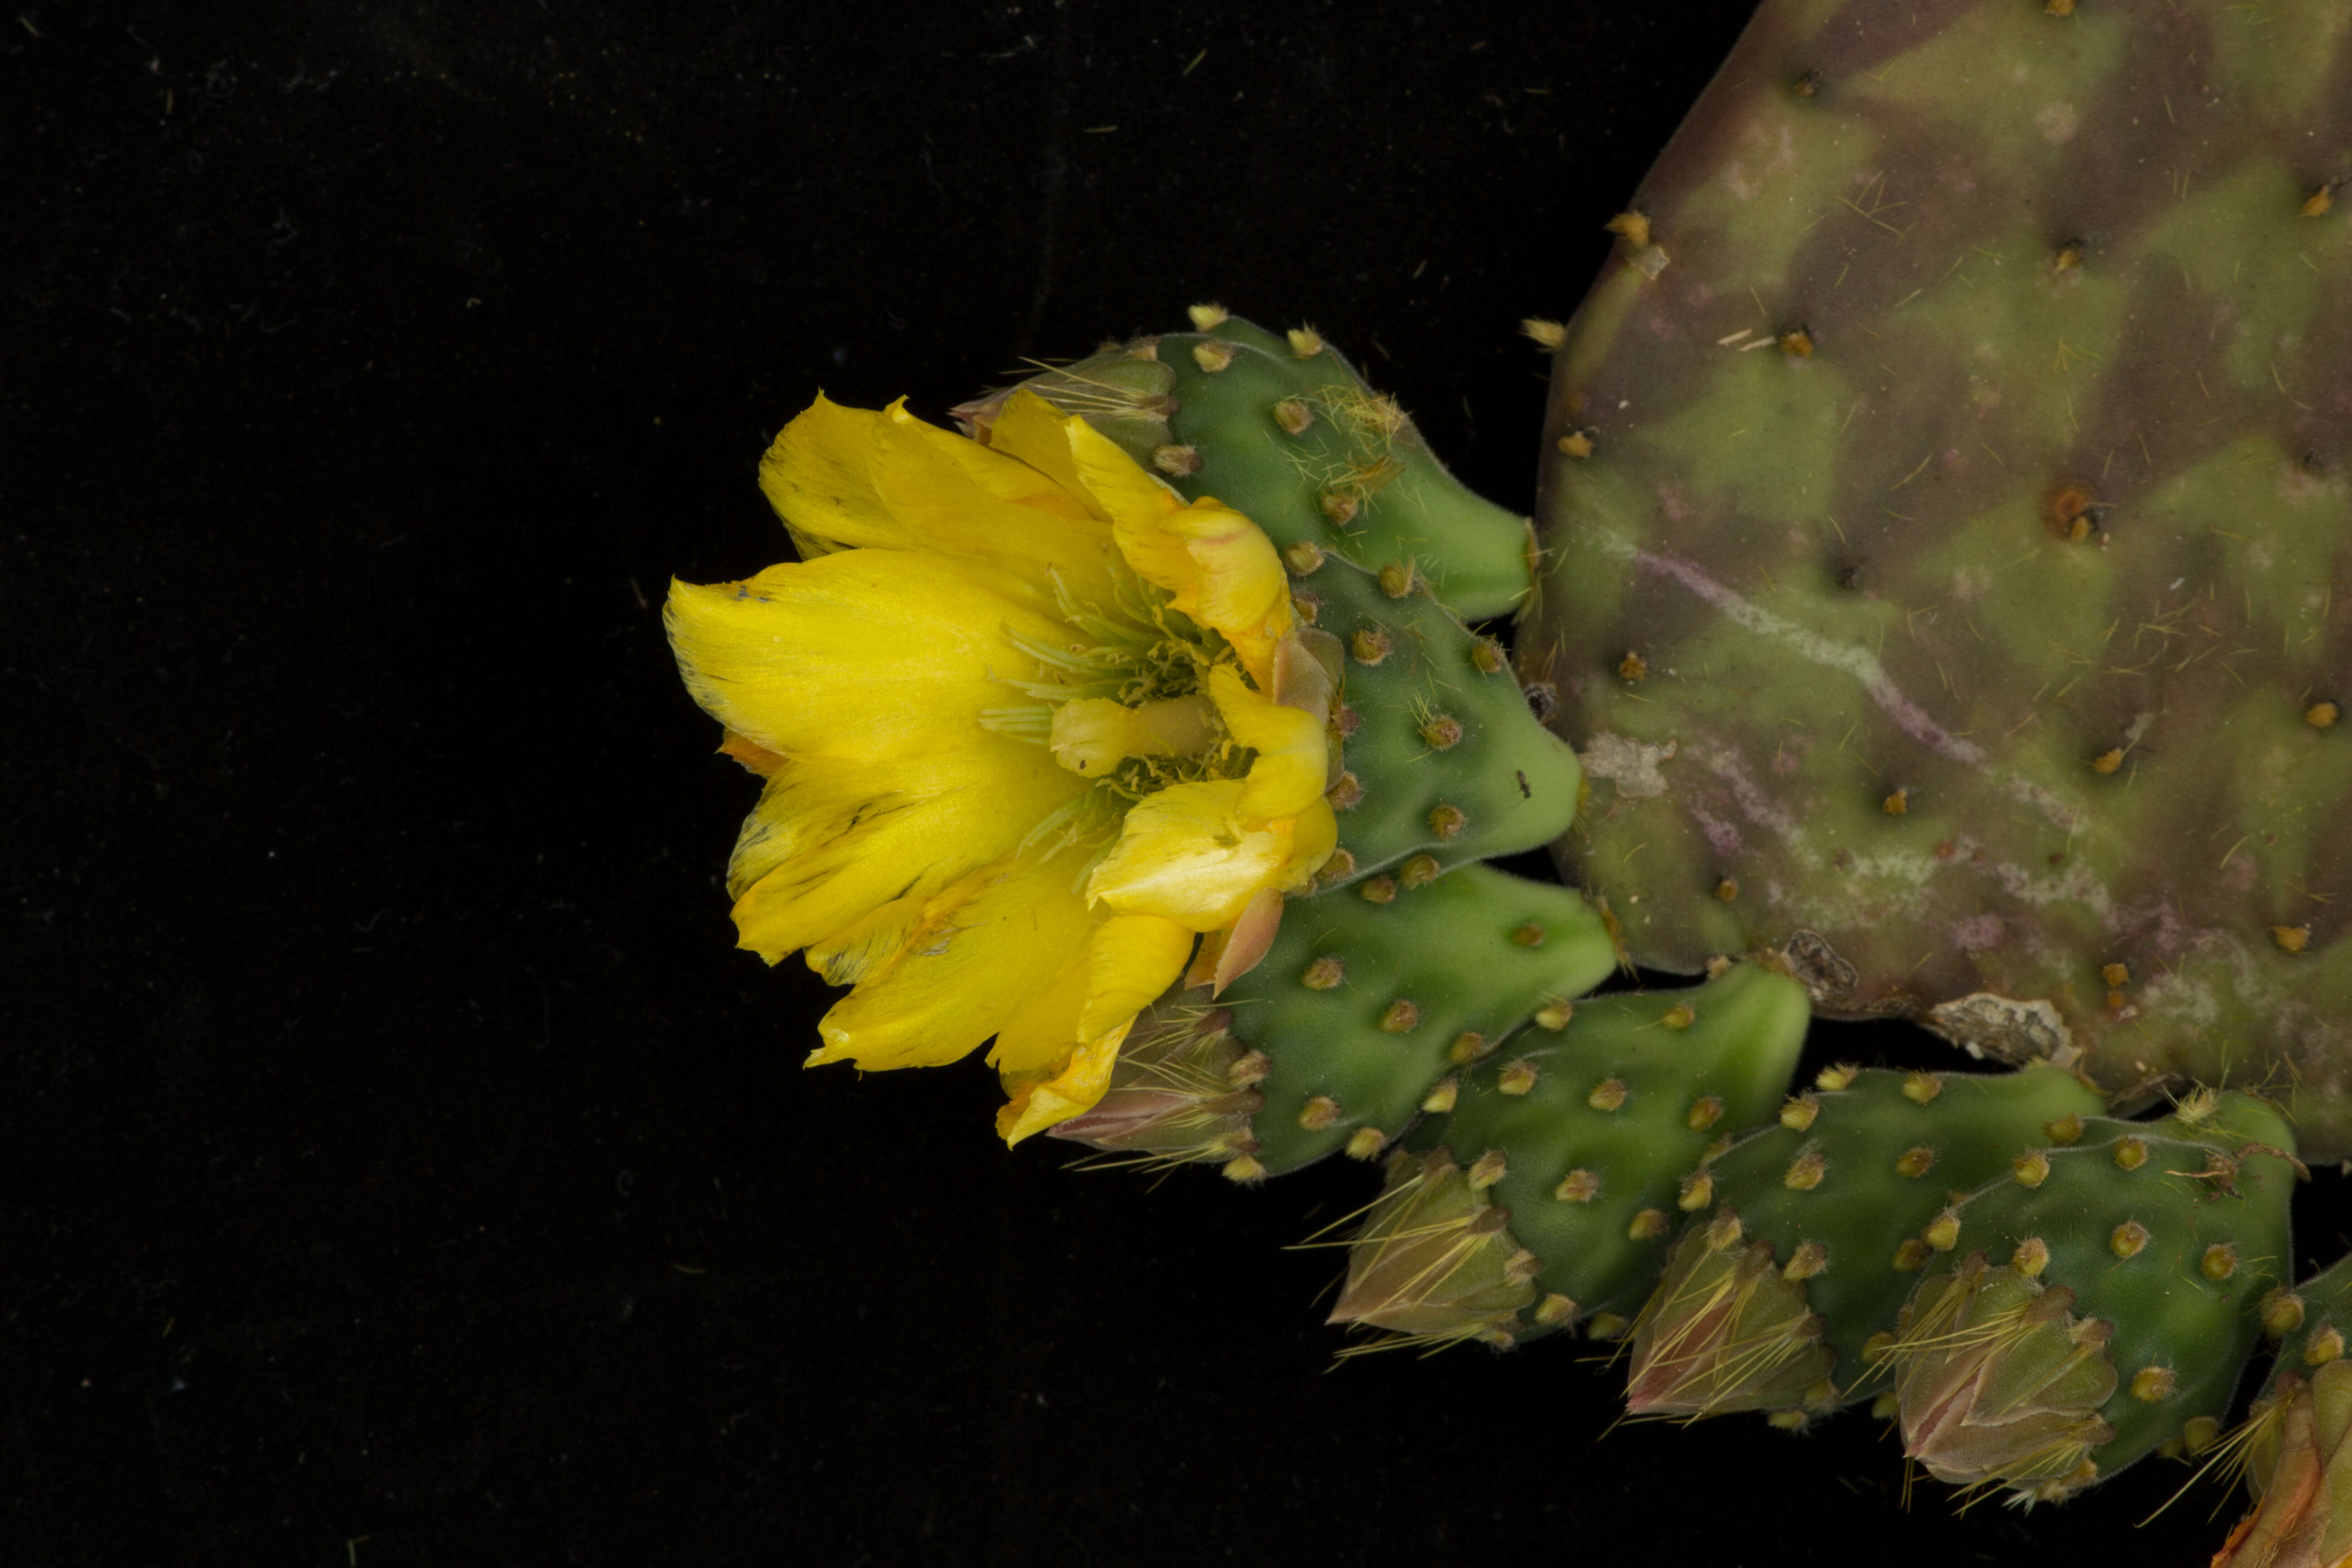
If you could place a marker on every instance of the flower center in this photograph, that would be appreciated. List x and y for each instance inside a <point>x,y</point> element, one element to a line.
<point>1127,709</point>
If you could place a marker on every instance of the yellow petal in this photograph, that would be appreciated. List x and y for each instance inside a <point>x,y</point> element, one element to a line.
<point>1040,1032</point>
<point>984,950</point>
<point>1008,471</point>
<point>870,945</point>
<point>854,477</point>
<point>1219,568</point>
<point>1314,834</point>
<point>969,804</point>
<point>1033,430</point>
<point>812,862</point>
<point>1244,592</point>
<point>1133,958</point>
<point>1040,1103</point>
<point>1185,855</point>
<point>1292,755</point>
<point>1119,486</point>
<point>751,754</point>
<point>814,475</point>
<point>925,476</point>
<point>865,653</point>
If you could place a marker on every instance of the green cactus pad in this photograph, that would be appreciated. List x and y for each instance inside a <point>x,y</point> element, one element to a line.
<point>1946,516</point>
<point>1361,1004</point>
<point>2171,1233</point>
<point>1856,1173</point>
<point>1598,1122</point>
<point>1285,430</point>
<point>1443,756</point>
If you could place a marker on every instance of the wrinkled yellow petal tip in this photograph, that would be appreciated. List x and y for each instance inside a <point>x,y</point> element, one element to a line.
<point>1077,1089</point>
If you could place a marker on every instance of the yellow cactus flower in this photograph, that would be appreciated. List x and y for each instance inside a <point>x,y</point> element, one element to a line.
<point>1031,726</point>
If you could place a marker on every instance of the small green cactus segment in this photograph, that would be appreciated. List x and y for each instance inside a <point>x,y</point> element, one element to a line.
<point>1433,1262</point>
<point>1442,757</point>
<point>1366,1000</point>
<point>1897,510</point>
<point>1284,429</point>
<point>2132,1266</point>
<point>2293,1444</point>
<point>1363,1002</point>
<point>1595,1120</point>
<point>1811,1249</point>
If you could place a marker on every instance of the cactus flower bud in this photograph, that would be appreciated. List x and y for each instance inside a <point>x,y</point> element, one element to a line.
<point>2000,1383</point>
<point>1433,1260</point>
<point>2299,1467</point>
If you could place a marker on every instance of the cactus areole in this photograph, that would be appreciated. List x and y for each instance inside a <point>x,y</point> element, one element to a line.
<point>1947,518</point>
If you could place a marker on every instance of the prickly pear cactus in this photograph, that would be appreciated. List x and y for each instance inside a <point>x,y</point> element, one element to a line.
<point>1918,643</point>
<point>1948,515</point>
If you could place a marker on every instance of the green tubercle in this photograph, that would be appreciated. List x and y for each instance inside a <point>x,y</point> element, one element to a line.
<point>1442,756</point>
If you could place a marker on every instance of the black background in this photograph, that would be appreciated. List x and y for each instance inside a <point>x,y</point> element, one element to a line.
<point>396,1162</point>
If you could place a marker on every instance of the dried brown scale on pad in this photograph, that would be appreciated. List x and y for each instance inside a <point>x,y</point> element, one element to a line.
<point>1981,636</point>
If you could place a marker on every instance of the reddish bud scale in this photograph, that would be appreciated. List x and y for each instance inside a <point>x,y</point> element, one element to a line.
<point>2298,1439</point>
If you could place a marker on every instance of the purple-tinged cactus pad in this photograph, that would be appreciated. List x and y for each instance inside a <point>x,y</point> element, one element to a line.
<point>1948,509</point>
